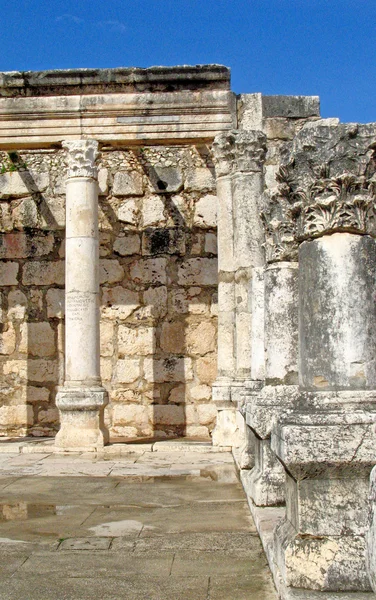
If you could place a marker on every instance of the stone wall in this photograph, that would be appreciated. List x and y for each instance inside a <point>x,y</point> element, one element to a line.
<point>158,276</point>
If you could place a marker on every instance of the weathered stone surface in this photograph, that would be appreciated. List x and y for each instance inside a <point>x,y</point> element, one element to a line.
<point>107,332</point>
<point>156,298</point>
<point>43,273</point>
<point>173,337</point>
<point>127,370</point>
<point>199,180</point>
<point>128,245</point>
<point>136,341</point>
<point>166,179</point>
<point>149,270</point>
<point>8,341</point>
<point>128,212</point>
<point>20,245</point>
<point>17,305</point>
<point>198,271</point>
<point>127,183</point>
<point>110,271</point>
<point>168,369</point>
<point>205,214</point>
<point>153,208</point>
<point>200,338</point>
<point>8,273</point>
<point>118,302</point>
<point>55,303</point>
<point>37,339</point>
<point>211,245</point>
<point>290,106</point>
<point>22,183</point>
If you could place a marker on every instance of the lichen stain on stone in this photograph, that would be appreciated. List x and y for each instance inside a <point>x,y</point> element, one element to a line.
<point>320,381</point>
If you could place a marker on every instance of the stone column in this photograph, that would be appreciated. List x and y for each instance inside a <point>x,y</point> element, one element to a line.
<point>238,158</point>
<point>82,399</point>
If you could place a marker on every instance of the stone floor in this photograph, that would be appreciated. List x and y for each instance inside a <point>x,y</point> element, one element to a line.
<point>163,522</point>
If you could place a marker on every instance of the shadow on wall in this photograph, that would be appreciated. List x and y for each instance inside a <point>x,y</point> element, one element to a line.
<point>158,279</point>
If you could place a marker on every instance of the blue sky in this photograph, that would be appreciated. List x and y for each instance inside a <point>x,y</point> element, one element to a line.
<point>321,47</point>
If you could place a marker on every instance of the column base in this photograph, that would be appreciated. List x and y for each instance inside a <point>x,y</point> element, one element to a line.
<point>82,418</point>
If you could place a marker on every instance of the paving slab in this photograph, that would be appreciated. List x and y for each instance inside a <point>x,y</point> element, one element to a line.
<point>83,527</point>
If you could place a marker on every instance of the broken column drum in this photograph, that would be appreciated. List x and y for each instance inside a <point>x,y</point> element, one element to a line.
<point>82,399</point>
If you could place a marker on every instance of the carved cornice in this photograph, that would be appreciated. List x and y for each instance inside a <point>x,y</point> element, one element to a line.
<point>239,151</point>
<point>346,202</point>
<point>81,158</point>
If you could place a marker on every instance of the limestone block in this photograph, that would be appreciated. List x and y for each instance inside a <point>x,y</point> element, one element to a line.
<point>207,413</point>
<point>18,368</point>
<point>153,208</point>
<point>41,370</point>
<point>43,273</point>
<point>17,305</point>
<point>8,273</point>
<point>103,182</point>
<point>173,337</point>
<point>188,301</point>
<point>48,416</point>
<point>265,483</point>
<point>119,303</point>
<point>200,179</point>
<point>37,339</point>
<point>149,270</point>
<point>127,370</point>
<point>163,241</point>
<point>107,332</point>
<point>21,416</point>
<point>52,212</point>
<point>198,271</point>
<point>197,431</point>
<point>140,340</point>
<point>8,340</point>
<point>127,183</point>
<point>110,271</point>
<point>206,369</point>
<point>165,179</point>
<point>128,212</point>
<point>168,369</point>
<point>279,128</point>
<point>205,214</point>
<point>200,338</point>
<point>106,369</point>
<point>156,298</point>
<point>130,415</point>
<point>250,111</point>
<point>26,214</point>
<point>177,395</point>
<point>17,184</point>
<point>200,393</point>
<point>128,244</point>
<point>37,395</point>
<point>168,415</point>
<point>6,220</point>
<point>55,303</point>
<point>211,243</point>
<point>290,106</point>
<point>20,245</point>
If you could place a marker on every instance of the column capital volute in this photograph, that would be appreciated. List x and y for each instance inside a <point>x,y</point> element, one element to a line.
<point>81,158</point>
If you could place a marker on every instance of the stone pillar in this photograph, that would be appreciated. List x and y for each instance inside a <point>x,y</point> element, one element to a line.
<point>238,158</point>
<point>82,399</point>
<point>265,484</point>
<point>326,443</point>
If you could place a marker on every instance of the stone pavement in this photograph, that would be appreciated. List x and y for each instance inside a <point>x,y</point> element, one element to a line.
<point>163,522</point>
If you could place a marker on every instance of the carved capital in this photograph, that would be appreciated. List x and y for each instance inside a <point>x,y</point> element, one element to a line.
<point>344,202</point>
<point>81,158</point>
<point>239,151</point>
<point>250,151</point>
<point>223,151</point>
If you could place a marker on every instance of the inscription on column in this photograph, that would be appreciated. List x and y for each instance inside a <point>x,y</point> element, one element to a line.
<point>77,306</point>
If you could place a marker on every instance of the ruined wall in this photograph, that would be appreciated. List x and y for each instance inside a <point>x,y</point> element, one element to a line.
<point>158,276</point>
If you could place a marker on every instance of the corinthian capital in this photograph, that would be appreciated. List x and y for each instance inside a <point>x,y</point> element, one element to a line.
<point>81,158</point>
<point>250,151</point>
<point>223,150</point>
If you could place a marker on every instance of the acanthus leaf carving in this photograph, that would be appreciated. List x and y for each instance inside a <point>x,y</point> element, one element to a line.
<point>81,158</point>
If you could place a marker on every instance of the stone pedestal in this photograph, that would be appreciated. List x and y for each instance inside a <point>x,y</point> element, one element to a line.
<point>82,399</point>
<point>326,445</point>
